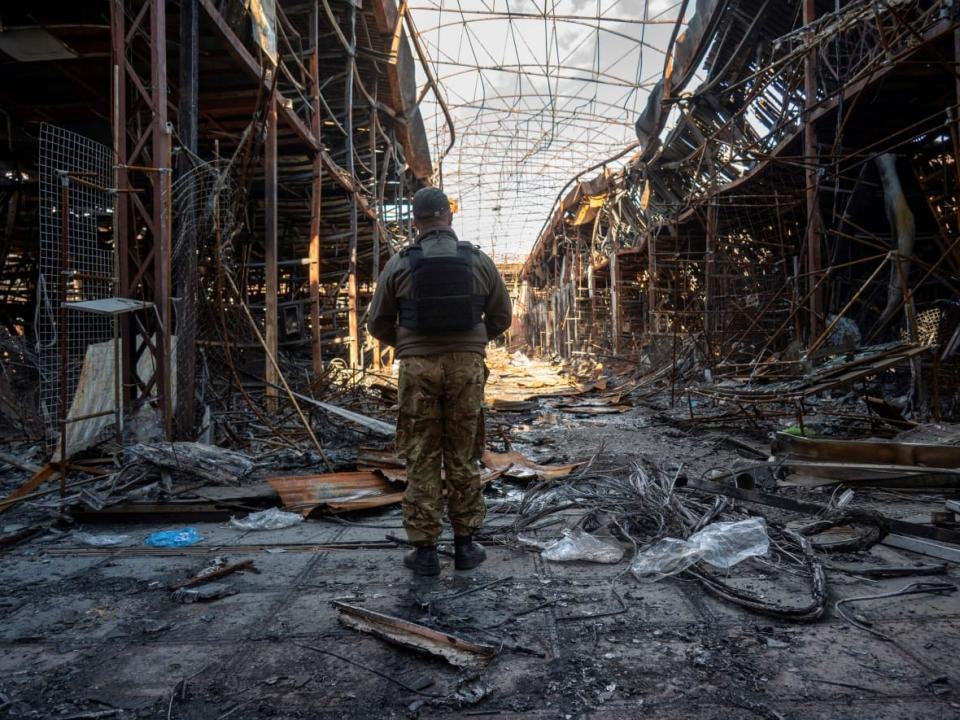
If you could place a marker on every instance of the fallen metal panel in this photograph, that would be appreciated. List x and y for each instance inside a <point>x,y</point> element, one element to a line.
<point>94,400</point>
<point>109,306</point>
<point>867,473</point>
<point>335,491</point>
<point>924,547</point>
<point>507,405</point>
<point>378,458</point>
<point>455,650</point>
<point>594,409</point>
<point>853,476</point>
<point>393,474</point>
<point>502,462</point>
<point>864,451</point>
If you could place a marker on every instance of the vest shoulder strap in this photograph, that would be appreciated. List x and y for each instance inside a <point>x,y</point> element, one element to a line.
<point>413,254</point>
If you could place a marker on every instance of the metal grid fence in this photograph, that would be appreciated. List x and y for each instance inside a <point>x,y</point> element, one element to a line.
<point>205,215</point>
<point>77,172</point>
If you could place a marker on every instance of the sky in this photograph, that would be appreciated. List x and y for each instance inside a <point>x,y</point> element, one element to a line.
<point>539,91</point>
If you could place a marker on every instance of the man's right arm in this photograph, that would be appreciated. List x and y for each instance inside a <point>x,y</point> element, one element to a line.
<point>382,314</point>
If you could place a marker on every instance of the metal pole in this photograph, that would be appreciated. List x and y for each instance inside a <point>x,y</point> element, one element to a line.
<point>187,112</point>
<point>614,303</point>
<point>161,205</point>
<point>316,195</point>
<point>121,209</point>
<point>375,270</point>
<point>352,310</point>
<point>810,162</point>
<point>270,253</point>
<point>710,323</point>
<point>652,286</point>
<point>62,324</point>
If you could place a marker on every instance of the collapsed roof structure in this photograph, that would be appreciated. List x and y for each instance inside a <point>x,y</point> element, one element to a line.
<point>794,184</point>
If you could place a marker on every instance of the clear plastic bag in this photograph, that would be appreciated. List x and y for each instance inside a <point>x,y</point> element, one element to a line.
<point>579,545</point>
<point>721,544</point>
<point>102,540</point>
<point>269,519</point>
<point>174,538</point>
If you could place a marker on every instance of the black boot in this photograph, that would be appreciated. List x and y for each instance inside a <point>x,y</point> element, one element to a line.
<point>423,560</point>
<point>466,553</point>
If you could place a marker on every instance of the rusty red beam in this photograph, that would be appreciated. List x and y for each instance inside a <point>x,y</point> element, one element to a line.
<point>247,62</point>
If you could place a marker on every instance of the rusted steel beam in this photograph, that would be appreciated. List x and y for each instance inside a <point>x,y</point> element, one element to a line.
<point>339,175</point>
<point>270,252</point>
<point>614,303</point>
<point>810,162</point>
<point>316,194</point>
<point>161,210</point>
<point>352,299</point>
<point>63,330</point>
<point>186,280</point>
<point>121,213</point>
<point>247,62</point>
<point>375,270</point>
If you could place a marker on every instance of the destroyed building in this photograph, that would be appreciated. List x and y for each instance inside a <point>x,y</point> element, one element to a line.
<point>722,443</point>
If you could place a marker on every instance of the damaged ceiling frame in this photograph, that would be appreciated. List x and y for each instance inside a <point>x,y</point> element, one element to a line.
<point>795,203</point>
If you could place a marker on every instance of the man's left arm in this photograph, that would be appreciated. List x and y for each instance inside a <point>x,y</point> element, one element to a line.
<point>498,312</point>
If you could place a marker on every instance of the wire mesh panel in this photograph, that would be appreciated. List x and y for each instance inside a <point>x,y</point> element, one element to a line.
<point>76,260</point>
<point>205,215</point>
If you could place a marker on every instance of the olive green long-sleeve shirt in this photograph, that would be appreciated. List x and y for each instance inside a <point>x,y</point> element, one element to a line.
<point>396,282</point>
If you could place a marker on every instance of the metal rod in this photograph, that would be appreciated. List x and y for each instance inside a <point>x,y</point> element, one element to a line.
<point>271,272</point>
<point>62,330</point>
<point>810,162</point>
<point>316,207</point>
<point>352,309</point>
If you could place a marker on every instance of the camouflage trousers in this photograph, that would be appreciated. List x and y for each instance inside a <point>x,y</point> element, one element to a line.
<point>440,427</point>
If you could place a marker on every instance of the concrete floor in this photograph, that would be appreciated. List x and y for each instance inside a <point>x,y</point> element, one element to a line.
<point>95,632</point>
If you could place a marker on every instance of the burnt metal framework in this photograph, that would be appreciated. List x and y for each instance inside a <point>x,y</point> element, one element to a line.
<point>260,181</point>
<point>759,220</point>
<point>142,146</point>
<point>335,146</point>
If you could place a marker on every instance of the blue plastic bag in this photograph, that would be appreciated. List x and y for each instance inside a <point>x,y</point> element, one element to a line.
<point>174,538</point>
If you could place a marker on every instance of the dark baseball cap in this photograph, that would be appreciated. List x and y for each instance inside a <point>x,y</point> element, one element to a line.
<point>430,202</point>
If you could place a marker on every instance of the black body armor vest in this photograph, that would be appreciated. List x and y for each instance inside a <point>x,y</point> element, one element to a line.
<point>443,299</point>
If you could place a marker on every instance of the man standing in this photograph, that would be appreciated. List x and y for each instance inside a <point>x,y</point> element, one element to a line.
<point>439,302</point>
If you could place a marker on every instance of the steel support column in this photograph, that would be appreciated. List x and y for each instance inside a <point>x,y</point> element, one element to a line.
<point>162,177</point>
<point>316,194</point>
<point>614,303</point>
<point>271,276</point>
<point>375,270</point>
<point>143,218</point>
<point>186,279</point>
<point>710,320</point>
<point>121,209</point>
<point>352,300</point>
<point>810,162</point>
